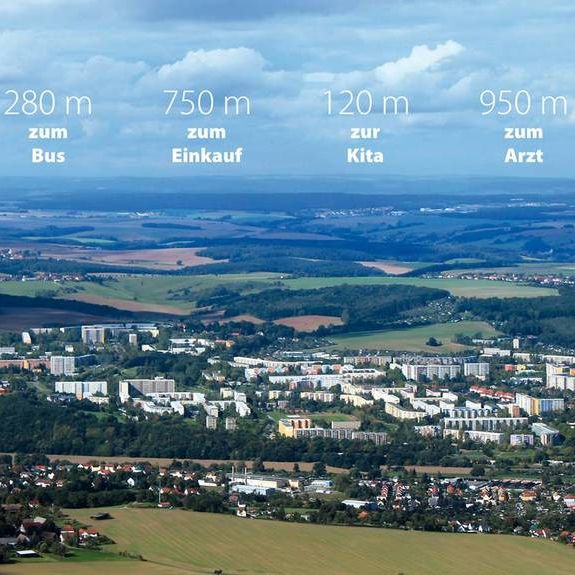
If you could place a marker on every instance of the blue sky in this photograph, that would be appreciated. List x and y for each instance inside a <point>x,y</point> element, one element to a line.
<point>439,53</point>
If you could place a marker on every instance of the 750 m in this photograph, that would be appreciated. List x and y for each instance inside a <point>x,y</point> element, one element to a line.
<point>188,102</point>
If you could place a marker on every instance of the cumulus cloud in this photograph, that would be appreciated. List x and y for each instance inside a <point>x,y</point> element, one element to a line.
<point>421,59</point>
<point>112,75</point>
<point>202,63</point>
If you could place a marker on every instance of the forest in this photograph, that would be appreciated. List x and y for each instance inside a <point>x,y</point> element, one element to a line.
<point>549,319</point>
<point>48,428</point>
<point>359,307</point>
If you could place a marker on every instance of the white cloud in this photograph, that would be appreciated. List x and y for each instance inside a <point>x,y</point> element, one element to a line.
<point>101,74</point>
<point>421,59</point>
<point>201,63</point>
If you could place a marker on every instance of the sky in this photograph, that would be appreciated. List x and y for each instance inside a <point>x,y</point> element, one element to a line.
<point>284,55</point>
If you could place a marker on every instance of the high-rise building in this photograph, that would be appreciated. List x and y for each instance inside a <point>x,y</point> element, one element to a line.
<point>82,389</point>
<point>92,335</point>
<point>560,377</point>
<point>62,365</point>
<point>539,405</point>
<point>134,387</point>
<point>480,369</point>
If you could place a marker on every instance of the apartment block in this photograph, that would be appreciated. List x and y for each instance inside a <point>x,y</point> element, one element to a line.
<point>134,387</point>
<point>82,389</point>
<point>537,405</point>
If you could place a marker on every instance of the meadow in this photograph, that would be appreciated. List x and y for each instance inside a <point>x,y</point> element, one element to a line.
<point>176,541</point>
<point>177,295</point>
<point>415,339</point>
<point>457,287</point>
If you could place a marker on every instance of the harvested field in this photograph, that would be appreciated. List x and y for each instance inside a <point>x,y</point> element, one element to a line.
<point>128,305</point>
<point>155,259</point>
<point>309,323</point>
<point>202,543</point>
<point>391,268</point>
<point>22,318</point>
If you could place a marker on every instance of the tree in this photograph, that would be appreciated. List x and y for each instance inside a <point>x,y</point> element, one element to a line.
<point>319,469</point>
<point>478,471</point>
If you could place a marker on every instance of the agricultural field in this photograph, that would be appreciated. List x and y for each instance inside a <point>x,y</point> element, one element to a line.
<point>457,287</point>
<point>152,259</point>
<point>177,294</point>
<point>160,293</point>
<point>414,339</point>
<point>391,267</point>
<point>309,323</point>
<point>176,541</point>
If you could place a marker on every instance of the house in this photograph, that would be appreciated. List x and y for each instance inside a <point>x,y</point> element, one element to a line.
<point>85,534</point>
<point>67,533</point>
<point>528,496</point>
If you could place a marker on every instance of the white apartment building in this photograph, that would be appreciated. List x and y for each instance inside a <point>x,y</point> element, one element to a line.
<point>416,372</point>
<point>322,396</point>
<point>560,377</point>
<point>480,370</point>
<point>82,389</point>
<point>134,387</point>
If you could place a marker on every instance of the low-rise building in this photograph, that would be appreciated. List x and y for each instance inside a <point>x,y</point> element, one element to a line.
<point>402,413</point>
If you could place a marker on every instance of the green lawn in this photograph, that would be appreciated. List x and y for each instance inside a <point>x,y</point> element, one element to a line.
<point>331,416</point>
<point>414,339</point>
<point>176,541</point>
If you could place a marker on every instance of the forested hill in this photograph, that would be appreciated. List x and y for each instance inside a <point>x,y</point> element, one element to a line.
<point>551,319</point>
<point>360,307</point>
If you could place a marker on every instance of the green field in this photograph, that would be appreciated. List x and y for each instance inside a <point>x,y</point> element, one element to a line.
<point>148,289</point>
<point>414,339</point>
<point>175,541</point>
<point>457,287</point>
<point>163,290</point>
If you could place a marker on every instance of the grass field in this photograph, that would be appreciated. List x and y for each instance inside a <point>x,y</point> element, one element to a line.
<point>414,339</point>
<point>165,294</point>
<point>457,287</point>
<point>148,290</point>
<point>175,541</point>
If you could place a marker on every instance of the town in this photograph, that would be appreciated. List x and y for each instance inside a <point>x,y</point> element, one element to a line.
<point>469,442</point>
